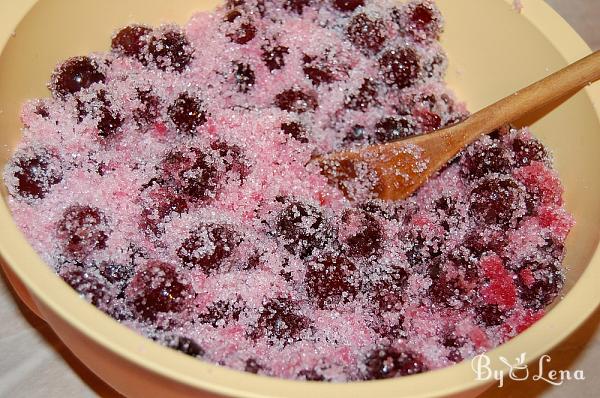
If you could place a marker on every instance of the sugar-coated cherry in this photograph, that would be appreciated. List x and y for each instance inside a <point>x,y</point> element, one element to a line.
<point>253,366</point>
<point>207,246</point>
<point>75,74</point>
<point>192,173</point>
<point>386,362</point>
<point>161,203</point>
<point>366,33</point>
<point>156,288</point>
<point>244,30</point>
<point>527,151</point>
<point>35,173</point>
<point>393,128</point>
<point>489,315</point>
<point>131,41</point>
<point>295,130</point>
<point>365,97</point>
<point>447,292</point>
<point>91,287</point>
<point>400,67</point>
<point>296,6</point>
<point>389,290</point>
<point>244,76</point>
<point>187,113</point>
<point>298,101</point>
<point>496,200</point>
<point>170,50</point>
<point>274,56</point>
<point>424,20</point>
<point>82,230</point>
<point>280,321</point>
<point>484,160</point>
<point>185,345</point>
<point>311,375</point>
<point>149,108</point>
<point>546,286</point>
<point>332,280</point>
<point>220,313</point>
<point>347,5</point>
<point>303,229</point>
<point>368,239</point>
<point>317,71</point>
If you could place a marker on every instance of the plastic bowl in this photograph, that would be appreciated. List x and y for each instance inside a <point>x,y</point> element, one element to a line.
<point>493,50</point>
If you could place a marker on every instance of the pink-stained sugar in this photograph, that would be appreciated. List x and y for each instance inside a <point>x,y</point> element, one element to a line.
<point>169,181</point>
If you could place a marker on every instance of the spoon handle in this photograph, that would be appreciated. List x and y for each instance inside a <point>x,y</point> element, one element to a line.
<point>567,80</point>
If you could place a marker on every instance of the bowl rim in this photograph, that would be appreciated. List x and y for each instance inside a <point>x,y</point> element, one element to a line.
<point>56,295</point>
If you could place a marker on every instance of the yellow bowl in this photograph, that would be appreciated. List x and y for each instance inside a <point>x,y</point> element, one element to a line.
<point>493,50</point>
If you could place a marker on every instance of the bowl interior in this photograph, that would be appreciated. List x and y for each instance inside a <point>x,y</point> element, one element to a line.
<point>493,50</point>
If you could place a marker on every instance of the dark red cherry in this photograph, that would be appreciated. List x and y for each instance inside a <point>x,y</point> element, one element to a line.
<point>429,121</point>
<point>207,246</point>
<point>116,273</point>
<point>75,74</point>
<point>295,130</point>
<point>187,113</point>
<point>274,56</point>
<point>244,76</point>
<point>483,160</point>
<point>348,5</point>
<point>366,33</point>
<point>303,229</point>
<point>253,366</point>
<point>42,110</point>
<point>82,230</point>
<point>547,284</point>
<point>161,203</point>
<point>527,151</point>
<point>170,51</point>
<point>35,173</point>
<point>453,343</point>
<point>393,128</point>
<point>296,6</point>
<point>367,240</point>
<point>149,109</point>
<point>389,290</point>
<point>158,288</point>
<point>280,321</point>
<point>317,71</point>
<point>387,362</point>
<point>192,173</point>
<point>233,158</point>
<point>109,122</point>
<point>447,292</point>
<point>400,67</point>
<point>297,101</point>
<point>245,30</point>
<point>424,20</point>
<point>489,315</point>
<point>332,280</point>
<point>185,345</point>
<point>131,41</point>
<point>220,313</point>
<point>495,200</point>
<point>362,99</point>
<point>87,285</point>
<point>311,375</point>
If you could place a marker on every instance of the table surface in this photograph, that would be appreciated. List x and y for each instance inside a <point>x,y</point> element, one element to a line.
<point>34,363</point>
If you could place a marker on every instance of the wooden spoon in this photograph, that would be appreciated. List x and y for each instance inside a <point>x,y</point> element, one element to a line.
<point>401,167</point>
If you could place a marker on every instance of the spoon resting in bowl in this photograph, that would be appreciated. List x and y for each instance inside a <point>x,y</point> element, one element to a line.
<point>400,167</point>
